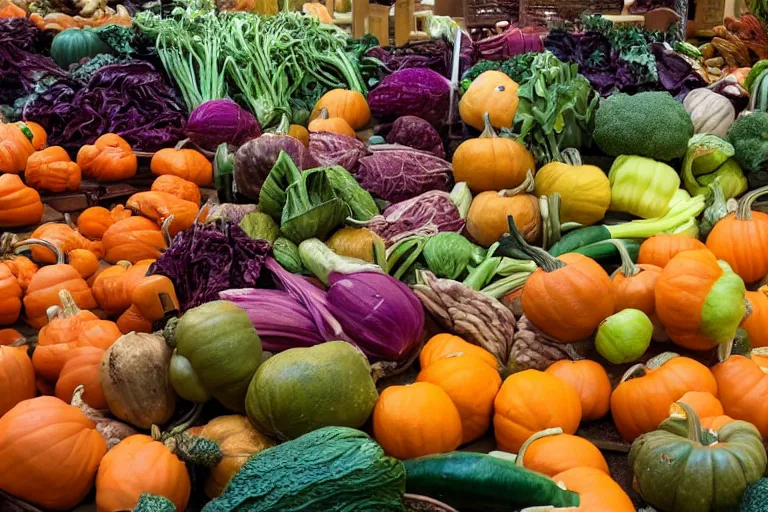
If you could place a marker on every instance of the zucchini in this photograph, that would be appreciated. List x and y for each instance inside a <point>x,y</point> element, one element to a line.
<point>605,250</point>
<point>483,482</point>
<point>580,238</point>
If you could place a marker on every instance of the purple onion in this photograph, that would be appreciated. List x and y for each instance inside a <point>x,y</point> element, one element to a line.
<point>217,121</point>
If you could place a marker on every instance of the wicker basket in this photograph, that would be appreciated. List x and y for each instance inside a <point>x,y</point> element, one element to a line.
<point>552,13</point>
<point>487,13</point>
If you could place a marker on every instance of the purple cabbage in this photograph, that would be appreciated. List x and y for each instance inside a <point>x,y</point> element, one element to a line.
<point>331,149</point>
<point>414,132</point>
<point>396,173</point>
<point>209,258</point>
<point>676,75</point>
<point>435,54</point>
<point>217,121</point>
<point>511,42</point>
<point>255,159</point>
<point>412,92</point>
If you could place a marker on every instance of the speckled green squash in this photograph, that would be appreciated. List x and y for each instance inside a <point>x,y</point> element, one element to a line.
<point>333,469</point>
<point>152,503</point>
<point>304,389</point>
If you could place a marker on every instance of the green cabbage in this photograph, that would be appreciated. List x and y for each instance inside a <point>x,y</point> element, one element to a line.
<point>448,254</point>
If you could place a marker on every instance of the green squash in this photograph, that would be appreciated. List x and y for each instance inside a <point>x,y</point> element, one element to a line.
<point>304,389</point>
<point>75,44</point>
<point>153,503</point>
<point>333,469</point>
<point>681,467</point>
<point>217,351</point>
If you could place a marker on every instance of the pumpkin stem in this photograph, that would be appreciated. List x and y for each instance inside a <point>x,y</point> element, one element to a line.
<point>658,361</point>
<point>169,332</point>
<point>628,267</point>
<point>165,229</point>
<point>526,187</point>
<point>323,114</point>
<point>180,145</point>
<point>194,449</point>
<point>69,306</point>
<point>549,208</point>
<point>571,156</point>
<point>694,424</point>
<point>744,211</point>
<point>186,421</point>
<point>535,437</point>
<point>512,245</point>
<point>68,221</point>
<point>44,243</point>
<point>488,131</point>
<point>511,457</point>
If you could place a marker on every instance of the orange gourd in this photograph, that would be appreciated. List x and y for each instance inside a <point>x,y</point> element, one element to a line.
<point>133,321</point>
<point>39,137</point>
<point>108,289</point>
<point>188,164</point>
<point>317,10</point>
<point>642,399</point>
<point>159,206</point>
<point>155,298</point>
<point>716,422</point>
<point>348,105</point>
<point>597,491</point>
<point>136,274</point>
<point>15,147</point>
<point>110,158</point>
<point>51,169</point>
<point>743,383</point>
<point>82,368</point>
<point>22,268</point>
<point>659,249</point>
<point>488,213</point>
<point>444,344</point>
<point>47,429</point>
<point>94,221</point>
<point>635,285</point>
<point>756,323</point>
<point>551,452</point>
<point>10,337</point>
<point>589,379</point>
<point>85,262</point>
<point>69,328</point>
<point>10,10</point>
<point>299,133</point>
<point>531,401</point>
<point>10,297</point>
<point>63,238</point>
<point>20,205</point>
<point>490,162</point>
<point>492,94</point>
<point>324,123</point>
<point>133,239</point>
<point>705,404</point>
<point>178,187</point>
<point>17,377</point>
<point>471,384</point>
<point>416,420</point>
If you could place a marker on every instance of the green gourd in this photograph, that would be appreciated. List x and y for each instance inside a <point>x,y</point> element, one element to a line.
<point>332,469</point>
<point>216,353</point>
<point>681,467</point>
<point>75,44</point>
<point>304,389</point>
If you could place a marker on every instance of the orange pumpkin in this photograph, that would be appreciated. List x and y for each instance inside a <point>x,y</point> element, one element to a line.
<point>756,323</point>
<point>642,399</point>
<point>317,10</point>
<point>324,123</point>
<point>659,249</point>
<point>133,239</point>
<point>94,221</point>
<point>491,94</point>
<point>444,344</point>
<point>22,269</point>
<point>589,379</point>
<point>137,465</point>
<point>159,206</point>
<point>10,297</point>
<point>82,368</point>
<point>15,147</point>
<point>178,187</point>
<point>415,420</point>
<point>10,337</point>
<point>63,437</point>
<point>716,422</point>
<point>43,292</point>
<point>743,384</point>
<point>62,237</point>
<point>51,169</point>
<point>490,162</point>
<point>347,105</point>
<point>551,452</point>
<point>597,491</point>
<point>20,205</point>
<point>11,10</point>
<point>136,274</point>
<point>299,133</point>
<point>39,137</point>
<point>705,404</point>
<point>488,213</point>
<point>635,285</point>
<point>85,262</point>
<point>471,384</point>
<point>110,158</point>
<point>155,298</point>
<point>109,291</point>
<point>133,321</point>
<point>531,401</point>
<point>188,164</point>
<point>17,377</point>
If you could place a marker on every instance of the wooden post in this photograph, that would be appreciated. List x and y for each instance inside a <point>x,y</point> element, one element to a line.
<point>359,17</point>
<point>378,22</point>
<point>404,22</point>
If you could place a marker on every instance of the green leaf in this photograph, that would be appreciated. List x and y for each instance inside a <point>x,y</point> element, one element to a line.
<point>359,200</point>
<point>312,208</point>
<point>272,196</point>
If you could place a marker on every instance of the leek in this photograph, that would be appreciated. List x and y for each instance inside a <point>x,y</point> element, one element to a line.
<point>319,259</point>
<point>681,213</point>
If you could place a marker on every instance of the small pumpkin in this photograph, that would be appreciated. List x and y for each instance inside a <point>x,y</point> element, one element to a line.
<point>492,92</point>
<point>15,147</point>
<point>742,380</point>
<point>95,221</point>
<point>51,169</point>
<point>490,162</point>
<point>585,190</point>
<point>10,297</point>
<point>109,291</point>
<point>159,206</point>
<point>20,205</point>
<point>22,268</point>
<point>551,452</point>
<point>109,158</point>
<point>84,261</point>
<point>659,249</point>
<point>39,137</point>
<point>61,435</point>
<point>705,404</point>
<point>17,377</point>
<point>489,211</point>
<point>360,243</point>
<point>133,239</point>
<point>83,368</point>
<point>756,324</point>
<point>646,391</point>
<point>444,344</point>
<point>348,105</point>
<point>74,44</point>
<point>178,187</point>
<point>635,285</point>
<point>741,239</point>
<point>416,420</point>
<point>64,238</point>
<point>710,112</point>
<point>299,133</point>
<point>589,379</point>
<point>597,490</point>
<point>155,298</point>
<point>519,413</point>
<point>10,337</point>
<point>188,164</point>
<point>324,123</point>
<point>132,321</point>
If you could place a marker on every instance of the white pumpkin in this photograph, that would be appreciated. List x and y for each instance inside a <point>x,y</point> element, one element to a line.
<point>710,112</point>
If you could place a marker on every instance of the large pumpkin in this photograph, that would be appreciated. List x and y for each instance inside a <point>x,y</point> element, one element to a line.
<point>490,162</point>
<point>15,147</point>
<point>188,164</point>
<point>700,300</point>
<point>642,399</point>
<point>82,368</point>
<point>494,93</point>
<point>660,249</point>
<point>43,292</point>
<point>756,323</point>
<point>108,159</point>
<point>45,428</point>
<point>133,239</point>
<point>743,384</point>
<point>597,491</point>
<point>17,377</point>
<point>589,379</point>
<point>20,205</point>
<point>348,105</point>
<point>63,237</point>
<point>51,169</point>
<point>551,452</point>
<point>531,401</point>
<point>741,239</point>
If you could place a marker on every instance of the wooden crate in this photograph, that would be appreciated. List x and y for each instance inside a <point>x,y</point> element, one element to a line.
<point>487,13</point>
<point>549,13</point>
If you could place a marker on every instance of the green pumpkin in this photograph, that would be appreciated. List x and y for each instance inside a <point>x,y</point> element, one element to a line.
<point>304,389</point>
<point>217,351</point>
<point>74,44</point>
<point>681,467</point>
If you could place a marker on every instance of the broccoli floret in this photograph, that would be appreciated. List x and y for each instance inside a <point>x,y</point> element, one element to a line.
<point>649,124</point>
<point>755,498</point>
<point>749,137</point>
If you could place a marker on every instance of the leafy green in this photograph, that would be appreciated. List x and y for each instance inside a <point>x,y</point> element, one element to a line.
<point>754,73</point>
<point>287,254</point>
<point>117,37</point>
<point>359,200</point>
<point>260,226</point>
<point>83,72</point>
<point>518,68</point>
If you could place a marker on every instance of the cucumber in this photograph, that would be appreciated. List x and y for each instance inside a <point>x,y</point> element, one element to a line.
<point>580,238</point>
<point>483,482</point>
<point>605,250</point>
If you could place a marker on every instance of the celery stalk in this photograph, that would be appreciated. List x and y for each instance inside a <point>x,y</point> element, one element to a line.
<point>679,214</point>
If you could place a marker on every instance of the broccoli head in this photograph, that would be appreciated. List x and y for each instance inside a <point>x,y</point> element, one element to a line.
<point>649,124</point>
<point>749,137</point>
<point>755,498</point>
